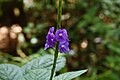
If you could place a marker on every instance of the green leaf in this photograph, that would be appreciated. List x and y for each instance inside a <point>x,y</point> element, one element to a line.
<point>69,75</point>
<point>89,16</point>
<point>81,24</point>
<point>10,72</point>
<point>114,48</point>
<point>44,62</point>
<point>38,74</point>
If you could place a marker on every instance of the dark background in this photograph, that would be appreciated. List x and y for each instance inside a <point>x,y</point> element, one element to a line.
<point>93,27</point>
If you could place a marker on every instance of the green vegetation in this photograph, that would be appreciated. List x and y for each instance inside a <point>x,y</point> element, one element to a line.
<point>93,28</point>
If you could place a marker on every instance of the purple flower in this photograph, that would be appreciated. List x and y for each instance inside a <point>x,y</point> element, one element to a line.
<point>50,39</point>
<point>61,35</point>
<point>51,30</point>
<point>64,47</point>
<point>46,46</point>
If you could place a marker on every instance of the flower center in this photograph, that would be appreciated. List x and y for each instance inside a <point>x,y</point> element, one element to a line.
<point>62,45</point>
<point>51,39</point>
<point>60,34</point>
<point>45,44</point>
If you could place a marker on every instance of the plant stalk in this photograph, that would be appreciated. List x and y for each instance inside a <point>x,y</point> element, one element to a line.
<point>59,14</point>
<point>54,63</point>
<point>56,47</point>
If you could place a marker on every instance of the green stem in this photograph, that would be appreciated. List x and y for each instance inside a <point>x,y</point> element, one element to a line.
<point>56,47</point>
<point>54,63</point>
<point>59,14</point>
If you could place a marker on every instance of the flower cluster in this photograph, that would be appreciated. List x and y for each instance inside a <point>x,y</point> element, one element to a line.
<point>60,36</point>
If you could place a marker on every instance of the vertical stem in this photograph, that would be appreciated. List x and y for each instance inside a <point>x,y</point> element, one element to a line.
<point>56,47</point>
<point>59,14</point>
<point>54,63</point>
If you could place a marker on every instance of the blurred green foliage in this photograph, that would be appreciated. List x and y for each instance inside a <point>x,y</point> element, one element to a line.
<point>93,27</point>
